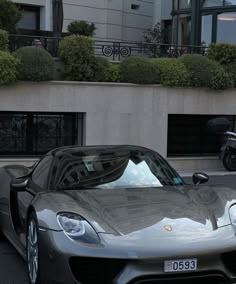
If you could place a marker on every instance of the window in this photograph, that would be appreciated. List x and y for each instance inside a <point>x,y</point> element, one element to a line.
<point>206,30</point>
<point>212,3</point>
<point>30,19</point>
<point>38,133</point>
<point>188,135</point>
<point>184,29</point>
<point>40,174</point>
<point>226,26</point>
<point>135,7</point>
<point>183,4</point>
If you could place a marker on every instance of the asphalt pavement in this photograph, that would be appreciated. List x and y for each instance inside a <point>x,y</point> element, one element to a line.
<point>13,267</point>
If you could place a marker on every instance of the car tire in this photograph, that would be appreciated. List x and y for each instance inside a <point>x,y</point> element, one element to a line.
<point>228,162</point>
<point>32,250</point>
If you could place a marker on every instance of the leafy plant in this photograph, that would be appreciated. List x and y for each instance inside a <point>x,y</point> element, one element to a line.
<point>8,68</point>
<point>200,69</point>
<point>3,40</point>
<point>173,72</point>
<point>224,53</point>
<point>140,70</point>
<point>220,79</point>
<point>99,68</point>
<point>113,73</point>
<point>36,64</point>
<point>81,28</point>
<point>9,15</point>
<point>78,54</point>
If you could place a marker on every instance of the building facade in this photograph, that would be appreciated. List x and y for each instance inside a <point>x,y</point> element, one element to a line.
<point>123,20</point>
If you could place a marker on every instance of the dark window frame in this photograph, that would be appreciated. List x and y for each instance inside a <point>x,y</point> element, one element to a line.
<point>195,136</point>
<point>30,8</point>
<point>77,128</point>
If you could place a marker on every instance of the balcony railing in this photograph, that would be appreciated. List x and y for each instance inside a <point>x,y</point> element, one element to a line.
<point>113,50</point>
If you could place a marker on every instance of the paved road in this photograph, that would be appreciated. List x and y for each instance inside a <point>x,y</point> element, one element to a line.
<point>13,269</point>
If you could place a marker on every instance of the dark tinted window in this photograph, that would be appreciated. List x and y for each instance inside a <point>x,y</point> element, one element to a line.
<point>118,169</point>
<point>188,135</point>
<point>41,173</point>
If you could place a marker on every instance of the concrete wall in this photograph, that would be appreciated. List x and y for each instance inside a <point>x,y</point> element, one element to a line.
<point>122,113</point>
<point>162,10</point>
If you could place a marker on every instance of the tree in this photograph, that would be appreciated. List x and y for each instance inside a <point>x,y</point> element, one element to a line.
<point>82,28</point>
<point>9,15</point>
<point>155,36</point>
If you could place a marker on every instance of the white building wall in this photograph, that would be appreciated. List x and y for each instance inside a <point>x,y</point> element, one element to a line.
<point>162,10</point>
<point>114,19</point>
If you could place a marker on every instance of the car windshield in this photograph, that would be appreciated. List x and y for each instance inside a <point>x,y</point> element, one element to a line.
<point>118,169</point>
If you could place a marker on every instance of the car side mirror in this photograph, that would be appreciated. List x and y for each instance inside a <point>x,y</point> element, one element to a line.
<point>200,178</point>
<point>19,184</point>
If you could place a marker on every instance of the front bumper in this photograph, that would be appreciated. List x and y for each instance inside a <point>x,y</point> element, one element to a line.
<point>63,260</point>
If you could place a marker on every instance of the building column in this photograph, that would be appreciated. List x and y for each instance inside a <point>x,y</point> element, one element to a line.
<point>196,23</point>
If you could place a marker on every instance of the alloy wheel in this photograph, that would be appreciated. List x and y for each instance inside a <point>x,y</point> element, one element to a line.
<point>32,251</point>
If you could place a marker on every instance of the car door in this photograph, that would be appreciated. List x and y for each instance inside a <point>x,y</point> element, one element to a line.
<point>38,183</point>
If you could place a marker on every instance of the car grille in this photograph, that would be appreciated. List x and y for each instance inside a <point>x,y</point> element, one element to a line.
<point>192,278</point>
<point>229,260</point>
<point>96,270</point>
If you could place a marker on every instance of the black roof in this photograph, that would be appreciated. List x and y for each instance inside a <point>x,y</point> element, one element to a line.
<point>76,148</point>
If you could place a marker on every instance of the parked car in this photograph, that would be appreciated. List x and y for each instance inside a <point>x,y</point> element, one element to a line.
<point>117,214</point>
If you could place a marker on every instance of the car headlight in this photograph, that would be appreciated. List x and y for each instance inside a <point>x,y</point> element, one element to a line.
<point>232,215</point>
<point>77,228</point>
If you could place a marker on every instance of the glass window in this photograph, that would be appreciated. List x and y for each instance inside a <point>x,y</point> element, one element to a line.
<point>175,4</point>
<point>183,4</point>
<point>113,169</point>
<point>38,133</point>
<point>184,30</point>
<point>226,26</point>
<point>40,174</point>
<point>212,3</point>
<point>206,30</point>
<point>28,21</point>
<point>188,135</point>
<point>230,2</point>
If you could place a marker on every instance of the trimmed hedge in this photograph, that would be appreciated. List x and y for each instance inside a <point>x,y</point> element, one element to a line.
<point>224,53</point>
<point>78,54</point>
<point>81,28</point>
<point>3,40</point>
<point>8,68</point>
<point>140,71</point>
<point>173,72</point>
<point>113,73</point>
<point>36,64</point>
<point>204,72</point>
<point>99,69</point>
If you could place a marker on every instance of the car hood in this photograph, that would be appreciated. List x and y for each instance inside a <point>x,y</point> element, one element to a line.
<point>150,210</point>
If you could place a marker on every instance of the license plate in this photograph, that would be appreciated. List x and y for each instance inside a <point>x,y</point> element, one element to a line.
<point>180,265</point>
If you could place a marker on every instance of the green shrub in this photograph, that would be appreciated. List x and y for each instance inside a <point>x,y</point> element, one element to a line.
<point>9,15</point>
<point>231,70</point>
<point>224,53</point>
<point>140,71</point>
<point>173,72</point>
<point>8,68</point>
<point>200,69</point>
<point>3,40</point>
<point>220,78</point>
<point>113,73</point>
<point>78,54</point>
<point>81,28</point>
<point>99,69</point>
<point>36,64</point>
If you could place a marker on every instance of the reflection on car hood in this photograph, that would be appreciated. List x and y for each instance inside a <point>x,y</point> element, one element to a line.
<point>124,211</point>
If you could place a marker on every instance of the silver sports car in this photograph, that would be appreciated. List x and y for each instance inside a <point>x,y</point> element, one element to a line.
<point>117,214</point>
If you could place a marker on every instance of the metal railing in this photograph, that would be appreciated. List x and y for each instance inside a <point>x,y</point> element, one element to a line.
<point>113,50</point>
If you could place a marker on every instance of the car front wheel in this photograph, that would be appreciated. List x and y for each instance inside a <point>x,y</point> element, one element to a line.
<point>32,246</point>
